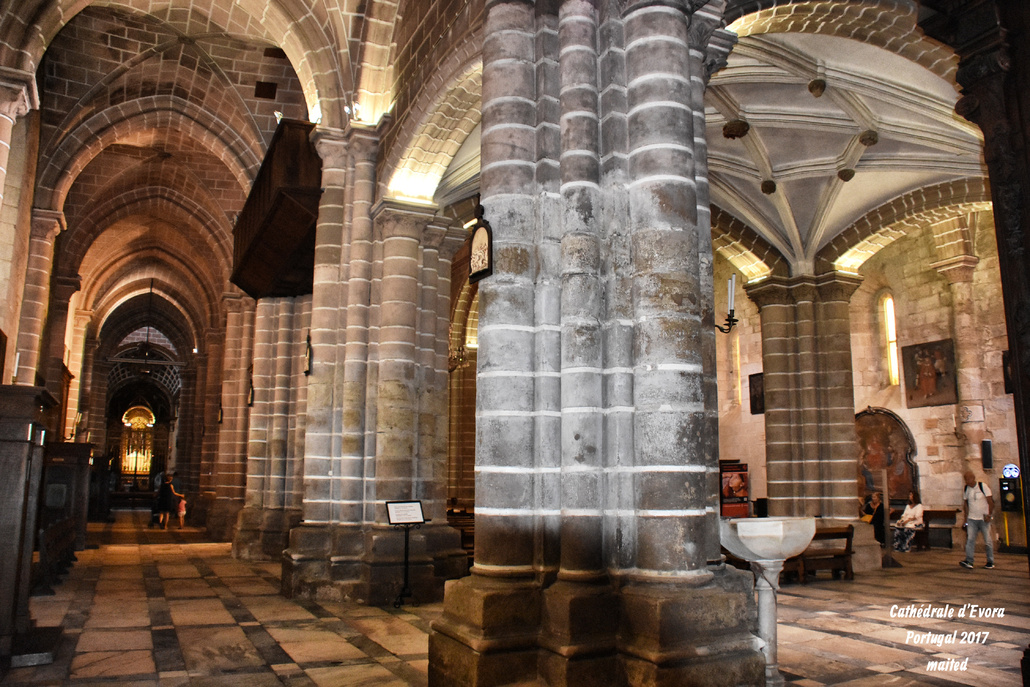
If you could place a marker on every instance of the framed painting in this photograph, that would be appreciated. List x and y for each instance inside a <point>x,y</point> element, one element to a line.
<point>756,390</point>
<point>930,374</point>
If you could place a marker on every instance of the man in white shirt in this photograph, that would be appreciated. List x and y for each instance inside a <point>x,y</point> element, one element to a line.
<point>978,506</point>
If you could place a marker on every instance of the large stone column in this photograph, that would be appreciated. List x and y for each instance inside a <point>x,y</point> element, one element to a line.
<point>487,634</point>
<point>62,288</point>
<point>78,364</point>
<point>231,461</point>
<point>593,341</point>
<point>17,97</point>
<point>46,224</point>
<point>371,435</point>
<point>811,451</point>
<point>275,449</point>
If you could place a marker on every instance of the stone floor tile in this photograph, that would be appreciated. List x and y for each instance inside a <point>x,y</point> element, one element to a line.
<point>199,612</point>
<point>108,640</point>
<point>366,675</point>
<point>214,650</point>
<point>111,664</point>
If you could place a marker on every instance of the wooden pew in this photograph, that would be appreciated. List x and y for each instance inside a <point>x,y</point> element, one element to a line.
<point>821,554</point>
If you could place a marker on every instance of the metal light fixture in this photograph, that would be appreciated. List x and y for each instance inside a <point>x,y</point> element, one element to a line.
<point>731,292</point>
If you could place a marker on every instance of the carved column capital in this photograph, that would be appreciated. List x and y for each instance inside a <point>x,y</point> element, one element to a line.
<point>15,99</point>
<point>364,144</point>
<point>394,219</point>
<point>832,286</point>
<point>331,145</point>
<point>958,269</point>
<point>837,286</point>
<point>47,224</point>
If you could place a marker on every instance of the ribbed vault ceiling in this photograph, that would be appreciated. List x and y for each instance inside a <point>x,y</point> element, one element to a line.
<point>873,127</point>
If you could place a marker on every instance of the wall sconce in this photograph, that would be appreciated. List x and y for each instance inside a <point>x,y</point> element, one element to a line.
<point>731,289</point>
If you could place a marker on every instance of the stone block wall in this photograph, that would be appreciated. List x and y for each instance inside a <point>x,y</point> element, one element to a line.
<point>927,310</point>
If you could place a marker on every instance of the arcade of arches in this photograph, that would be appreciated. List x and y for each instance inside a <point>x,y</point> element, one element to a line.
<point>234,244</point>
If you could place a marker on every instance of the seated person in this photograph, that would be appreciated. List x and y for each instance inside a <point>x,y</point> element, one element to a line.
<point>873,509</point>
<point>910,521</point>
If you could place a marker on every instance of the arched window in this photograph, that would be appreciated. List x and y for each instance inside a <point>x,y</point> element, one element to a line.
<point>890,330</point>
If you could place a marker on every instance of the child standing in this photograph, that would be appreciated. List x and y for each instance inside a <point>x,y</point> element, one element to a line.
<point>182,512</point>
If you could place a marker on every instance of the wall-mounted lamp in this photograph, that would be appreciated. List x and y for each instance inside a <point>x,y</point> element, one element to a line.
<point>731,292</point>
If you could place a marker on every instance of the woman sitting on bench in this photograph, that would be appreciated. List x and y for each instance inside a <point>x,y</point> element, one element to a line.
<point>910,521</point>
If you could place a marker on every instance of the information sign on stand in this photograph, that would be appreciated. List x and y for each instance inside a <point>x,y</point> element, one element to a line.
<point>406,514</point>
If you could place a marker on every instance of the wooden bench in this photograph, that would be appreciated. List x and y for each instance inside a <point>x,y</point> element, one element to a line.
<point>56,544</point>
<point>831,549</point>
<point>945,519</point>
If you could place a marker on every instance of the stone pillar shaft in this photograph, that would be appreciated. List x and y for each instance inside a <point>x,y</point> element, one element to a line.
<point>582,501</point>
<point>810,417</point>
<point>322,439</point>
<point>396,422</point>
<point>671,474</point>
<point>505,481</point>
<point>591,341</point>
<point>14,103</point>
<point>45,227</point>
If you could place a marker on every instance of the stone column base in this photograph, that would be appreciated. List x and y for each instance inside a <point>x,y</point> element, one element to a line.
<point>365,564</point>
<point>866,551</point>
<point>222,517</point>
<point>648,633</point>
<point>487,635</point>
<point>262,534</point>
<point>580,623</point>
<point>686,633</point>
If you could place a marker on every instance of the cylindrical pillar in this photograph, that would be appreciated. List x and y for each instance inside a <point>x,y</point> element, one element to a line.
<point>46,225</point>
<point>396,422</point>
<point>668,381</point>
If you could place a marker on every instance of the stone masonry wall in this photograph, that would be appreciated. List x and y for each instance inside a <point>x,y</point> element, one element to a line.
<point>945,445</point>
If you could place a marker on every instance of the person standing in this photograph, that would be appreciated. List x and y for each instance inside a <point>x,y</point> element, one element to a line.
<point>166,502</point>
<point>978,507</point>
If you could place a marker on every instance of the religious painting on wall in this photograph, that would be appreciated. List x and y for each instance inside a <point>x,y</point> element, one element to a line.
<point>756,390</point>
<point>930,374</point>
<point>886,447</point>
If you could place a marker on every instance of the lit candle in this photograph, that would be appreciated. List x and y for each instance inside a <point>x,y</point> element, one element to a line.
<point>731,290</point>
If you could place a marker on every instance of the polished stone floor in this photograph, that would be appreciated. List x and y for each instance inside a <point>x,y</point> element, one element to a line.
<point>152,607</point>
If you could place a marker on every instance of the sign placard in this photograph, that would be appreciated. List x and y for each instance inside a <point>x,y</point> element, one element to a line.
<point>405,512</point>
<point>734,490</point>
